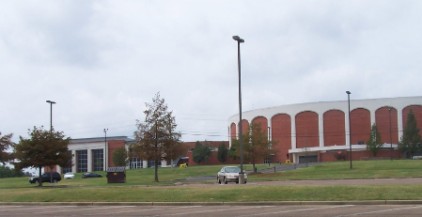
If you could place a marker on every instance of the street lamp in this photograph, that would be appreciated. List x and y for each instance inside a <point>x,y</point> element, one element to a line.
<point>350,130</point>
<point>51,113</point>
<point>391,140</point>
<point>241,174</point>
<point>105,149</point>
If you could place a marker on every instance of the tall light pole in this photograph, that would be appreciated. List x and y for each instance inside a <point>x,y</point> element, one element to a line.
<point>51,113</point>
<point>105,149</point>
<point>241,174</point>
<point>350,130</point>
<point>391,140</point>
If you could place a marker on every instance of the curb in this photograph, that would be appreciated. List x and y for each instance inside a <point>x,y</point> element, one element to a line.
<point>265,203</point>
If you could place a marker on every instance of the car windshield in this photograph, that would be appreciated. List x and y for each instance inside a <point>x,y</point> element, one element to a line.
<point>232,169</point>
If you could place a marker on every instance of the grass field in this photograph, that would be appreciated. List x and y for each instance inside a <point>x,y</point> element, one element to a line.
<point>172,186</point>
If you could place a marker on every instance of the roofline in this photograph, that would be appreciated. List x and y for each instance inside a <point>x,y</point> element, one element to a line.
<point>100,139</point>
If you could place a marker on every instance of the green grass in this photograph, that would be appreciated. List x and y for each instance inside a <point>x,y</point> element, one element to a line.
<point>361,170</point>
<point>140,186</point>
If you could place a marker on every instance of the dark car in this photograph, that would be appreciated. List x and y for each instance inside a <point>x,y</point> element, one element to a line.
<point>91,175</point>
<point>51,177</point>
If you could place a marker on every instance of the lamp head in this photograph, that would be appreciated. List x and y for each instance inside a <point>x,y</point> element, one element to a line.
<point>238,39</point>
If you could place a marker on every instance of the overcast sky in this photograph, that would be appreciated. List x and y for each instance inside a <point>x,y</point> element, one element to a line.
<point>101,61</point>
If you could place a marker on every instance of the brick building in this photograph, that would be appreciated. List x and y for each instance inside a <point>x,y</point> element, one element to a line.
<point>320,131</point>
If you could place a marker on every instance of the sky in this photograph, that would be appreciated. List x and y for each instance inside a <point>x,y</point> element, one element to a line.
<point>101,61</point>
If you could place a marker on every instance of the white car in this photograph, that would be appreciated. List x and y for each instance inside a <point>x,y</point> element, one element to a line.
<point>69,175</point>
<point>230,174</point>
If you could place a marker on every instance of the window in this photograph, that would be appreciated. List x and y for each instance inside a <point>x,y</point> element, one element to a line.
<point>97,160</point>
<point>135,163</point>
<point>81,161</point>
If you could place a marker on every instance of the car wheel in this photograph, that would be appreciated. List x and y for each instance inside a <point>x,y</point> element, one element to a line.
<point>225,181</point>
<point>218,180</point>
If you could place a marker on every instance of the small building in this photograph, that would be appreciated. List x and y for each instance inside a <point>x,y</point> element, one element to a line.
<point>116,175</point>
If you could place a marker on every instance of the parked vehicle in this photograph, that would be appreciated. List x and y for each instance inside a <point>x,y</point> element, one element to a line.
<point>51,177</point>
<point>91,175</point>
<point>69,175</point>
<point>230,174</point>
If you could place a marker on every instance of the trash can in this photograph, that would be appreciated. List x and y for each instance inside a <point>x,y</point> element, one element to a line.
<point>116,175</point>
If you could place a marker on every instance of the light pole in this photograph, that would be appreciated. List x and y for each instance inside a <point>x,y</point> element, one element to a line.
<point>350,130</point>
<point>51,113</point>
<point>391,140</point>
<point>241,174</point>
<point>105,149</point>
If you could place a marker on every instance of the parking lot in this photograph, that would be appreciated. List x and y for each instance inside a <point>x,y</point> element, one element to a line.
<point>223,210</point>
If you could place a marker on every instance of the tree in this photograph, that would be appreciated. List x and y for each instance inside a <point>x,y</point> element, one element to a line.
<point>374,143</point>
<point>255,145</point>
<point>410,142</point>
<point>173,147</point>
<point>7,172</point>
<point>232,151</point>
<point>5,144</point>
<point>43,148</point>
<point>222,153</point>
<point>120,157</point>
<point>201,153</point>
<point>156,136</point>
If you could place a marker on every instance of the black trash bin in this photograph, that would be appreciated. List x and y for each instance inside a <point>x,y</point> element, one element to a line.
<point>116,175</point>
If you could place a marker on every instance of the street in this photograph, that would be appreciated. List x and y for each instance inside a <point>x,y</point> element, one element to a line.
<point>221,210</point>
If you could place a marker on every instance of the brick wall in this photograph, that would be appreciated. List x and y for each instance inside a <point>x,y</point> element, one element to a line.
<point>307,129</point>
<point>334,128</point>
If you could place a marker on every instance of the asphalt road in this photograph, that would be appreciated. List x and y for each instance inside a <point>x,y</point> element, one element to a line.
<point>223,210</point>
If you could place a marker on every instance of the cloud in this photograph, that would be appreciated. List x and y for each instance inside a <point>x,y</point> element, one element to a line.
<point>102,60</point>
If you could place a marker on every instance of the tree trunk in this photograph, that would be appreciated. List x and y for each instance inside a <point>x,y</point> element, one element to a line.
<point>156,171</point>
<point>39,177</point>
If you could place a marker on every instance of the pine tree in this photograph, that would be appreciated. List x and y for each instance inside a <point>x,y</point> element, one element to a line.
<point>201,153</point>
<point>411,140</point>
<point>374,143</point>
<point>222,153</point>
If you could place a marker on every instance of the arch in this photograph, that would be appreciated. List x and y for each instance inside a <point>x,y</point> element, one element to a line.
<point>307,132</point>
<point>281,134</point>
<point>386,121</point>
<point>233,131</point>
<point>360,125</point>
<point>263,123</point>
<point>245,127</point>
<point>417,111</point>
<point>334,127</point>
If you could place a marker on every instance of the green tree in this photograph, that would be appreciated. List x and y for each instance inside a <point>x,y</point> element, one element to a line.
<point>201,153</point>
<point>156,135</point>
<point>43,148</point>
<point>255,145</point>
<point>410,142</point>
<point>222,153</point>
<point>5,145</point>
<point>120,157</point>
<point>374,143</point>
<point>232,151</point>
<point>7,172</point>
